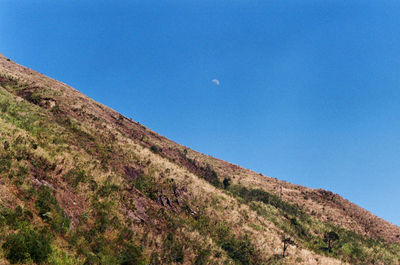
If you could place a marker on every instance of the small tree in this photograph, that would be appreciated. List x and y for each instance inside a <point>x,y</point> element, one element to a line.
<point>155,149</point>
<point>330,237</point>
<point>226,182</point>
<point>286,242</point>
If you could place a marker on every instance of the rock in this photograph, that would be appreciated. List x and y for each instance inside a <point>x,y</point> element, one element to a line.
<point>131,172</point>
<point>139,215</point>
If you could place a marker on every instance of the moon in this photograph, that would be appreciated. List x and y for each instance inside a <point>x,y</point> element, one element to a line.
<point>215,81</point>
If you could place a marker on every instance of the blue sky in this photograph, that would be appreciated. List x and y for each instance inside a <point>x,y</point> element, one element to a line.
<point>309,90</point>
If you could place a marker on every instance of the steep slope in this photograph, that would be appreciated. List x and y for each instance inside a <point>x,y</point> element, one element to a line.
<point>95,187</point>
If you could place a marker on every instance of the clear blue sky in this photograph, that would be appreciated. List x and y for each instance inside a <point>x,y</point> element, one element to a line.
<point>309,90</point>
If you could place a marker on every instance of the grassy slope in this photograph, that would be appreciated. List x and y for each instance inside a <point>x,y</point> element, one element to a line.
<point>126,194</point>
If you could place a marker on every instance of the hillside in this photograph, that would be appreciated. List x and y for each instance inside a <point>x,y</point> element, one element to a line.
<point>86,185</point>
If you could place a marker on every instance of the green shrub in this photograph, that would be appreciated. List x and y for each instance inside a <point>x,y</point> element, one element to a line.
<point>155,259</point>
<point>203,257</point>
<point>50,211</point>
<point>91,259</point>
<point>107,189</point>
<point>6,145</point>
<point>226,182</point>
<point>132,255</point>
<point>175,253</point>
<point>14,218</point>
<point>29,193</point>
<point>240,250</point>
<point>34,98</point>
<point>27,244</point>
<point>41,163</point>
<point>45,201</point>
<point>211,176</point>
<point>20,176</point>
<point>4,106</point>
<point>74,177</point>
<point>147,185</point>
<point>102,217</point>
<point>155,149</point>
<point>5,164</point>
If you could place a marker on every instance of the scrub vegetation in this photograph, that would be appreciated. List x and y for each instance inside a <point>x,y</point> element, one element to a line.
<point>82,184</point>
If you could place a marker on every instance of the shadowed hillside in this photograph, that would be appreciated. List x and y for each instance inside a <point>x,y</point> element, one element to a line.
<point>90,186</point>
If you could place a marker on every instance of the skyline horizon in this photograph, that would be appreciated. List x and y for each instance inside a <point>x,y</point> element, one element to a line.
<point>303,92</point>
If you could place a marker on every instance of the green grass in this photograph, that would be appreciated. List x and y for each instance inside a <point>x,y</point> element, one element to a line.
<point>309,232</point>
<point>239,249</point>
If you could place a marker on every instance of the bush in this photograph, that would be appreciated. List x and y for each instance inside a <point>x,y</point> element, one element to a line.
<point>226,182</point>
<point>45,201</point>
<point>132,255</point>
<point>74,177</point>
<point>175,248</point>
<point>147,185</point>
<point>14,218</point>
<point>34,98</point>
<point>27,244</point>
<point>6,145</point>
<point>211,176</point>
<point>240,250</point>
<point>107,189</point>
<point>5,164</point>
<point>154,149</point>
<point>4,106</point>
<point>102,216</point>
<point>203,257</point>
<point>50,211</point>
